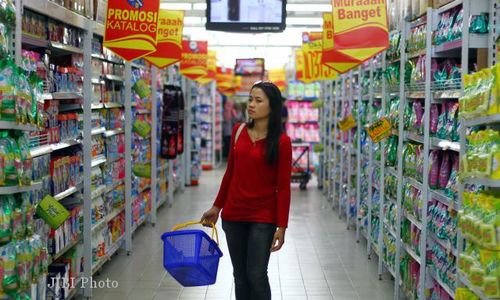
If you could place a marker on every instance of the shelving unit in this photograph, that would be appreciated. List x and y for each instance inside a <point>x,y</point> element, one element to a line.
<point>103,106</point>
<point>381,188</point>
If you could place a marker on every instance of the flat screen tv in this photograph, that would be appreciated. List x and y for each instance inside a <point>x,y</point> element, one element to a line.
<point>249,67</point>
<point>246,15</point>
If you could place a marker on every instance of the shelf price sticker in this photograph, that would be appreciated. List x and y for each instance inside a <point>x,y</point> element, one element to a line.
<point>347,123</point>
<point>358,31</point>
<point>169,39</point>
<point>379,130</point>
<point>194,59</point>
<point>131,28</point>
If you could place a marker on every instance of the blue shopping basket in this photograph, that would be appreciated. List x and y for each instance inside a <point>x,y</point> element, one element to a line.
<point>191,256</point>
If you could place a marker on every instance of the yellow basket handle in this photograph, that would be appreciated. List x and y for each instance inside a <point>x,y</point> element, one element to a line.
<point>183,225</point>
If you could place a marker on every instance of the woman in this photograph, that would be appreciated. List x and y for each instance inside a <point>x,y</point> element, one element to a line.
<point>255,192</point>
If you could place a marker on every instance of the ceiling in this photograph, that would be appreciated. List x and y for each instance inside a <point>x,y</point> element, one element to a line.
<point>276,48</point>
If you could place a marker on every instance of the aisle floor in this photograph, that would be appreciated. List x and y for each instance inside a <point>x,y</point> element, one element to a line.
<point>320,258</point>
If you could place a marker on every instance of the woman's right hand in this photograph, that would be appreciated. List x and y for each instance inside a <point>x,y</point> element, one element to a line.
<point>210,216</point>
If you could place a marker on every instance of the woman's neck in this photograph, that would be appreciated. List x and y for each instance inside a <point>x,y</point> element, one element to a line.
<point>260,126</point>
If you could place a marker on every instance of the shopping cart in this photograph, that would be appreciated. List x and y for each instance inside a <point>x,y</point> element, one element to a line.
<point>300,174</point>
<point>191,256</point>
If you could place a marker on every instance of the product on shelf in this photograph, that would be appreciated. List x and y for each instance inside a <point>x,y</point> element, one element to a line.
<point>483,155</point>
<point>480,93</point>
<point>479,223</point>
<point>449,26</point>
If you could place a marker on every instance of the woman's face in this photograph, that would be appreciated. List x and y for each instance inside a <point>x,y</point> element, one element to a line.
<point>258,105</point>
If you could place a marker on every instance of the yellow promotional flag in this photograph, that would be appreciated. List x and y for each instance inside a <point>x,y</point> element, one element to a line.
<point>169,39</point>
<point>194,59</point>
<point>299,64</point>
<point>278,77</point>
<point>360,31</point>
<point>211,68</point>
<point>313,68</point>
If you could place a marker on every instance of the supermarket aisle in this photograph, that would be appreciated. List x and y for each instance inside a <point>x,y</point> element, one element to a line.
<point>320,259</point>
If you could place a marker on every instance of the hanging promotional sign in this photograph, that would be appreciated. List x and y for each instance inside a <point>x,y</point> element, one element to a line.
<point>194,59</point>
<point>224,77</point>
<point>180,130</point>
<point>131,28</point>
<point>347,123</point>
<point>379,129</point>
<point>313,68</point>
<point>360,31</point>
<point>227,83</point>
<point>169,39</point>
<point>278,77</point>
<point>331,56</point>
<point>299,64</point>
<point>170,123</point>
<point>211,68</point>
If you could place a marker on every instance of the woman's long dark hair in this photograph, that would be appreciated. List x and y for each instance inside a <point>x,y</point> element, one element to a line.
<point>274,128</point>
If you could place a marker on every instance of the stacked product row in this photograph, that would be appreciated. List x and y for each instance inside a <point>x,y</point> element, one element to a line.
<point>415,213</point>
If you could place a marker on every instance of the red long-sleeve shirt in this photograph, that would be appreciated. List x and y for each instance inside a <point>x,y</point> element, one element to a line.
<point>253,190</point>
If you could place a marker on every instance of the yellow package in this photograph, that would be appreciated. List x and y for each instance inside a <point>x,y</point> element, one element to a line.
<point>495,97</point>
<point>477,276</point>
<point>465,294</point>
<point>491,287</point>
<point>466,263</point>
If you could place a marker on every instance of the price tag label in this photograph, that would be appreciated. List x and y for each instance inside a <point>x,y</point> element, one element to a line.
<point>379,130</point>
<point>347,123</point>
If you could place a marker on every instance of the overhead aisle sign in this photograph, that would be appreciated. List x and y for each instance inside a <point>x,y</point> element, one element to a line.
<point>314,69</point>
<point>211,68</point>
<point>278,77</point>
<point>131,27</point>
<point>194,59</point>
<point>169,39</point>
<point>360,32</point>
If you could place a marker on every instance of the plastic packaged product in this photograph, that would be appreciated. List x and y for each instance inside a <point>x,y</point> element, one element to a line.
<point>451,188</point>
<point>479,23</point>
<point>26,161</point>
<point>444,173</point>
<point>434,163</point>
<point>10,278</point>
<point>23,99</point>
<point>7,161</point>
<point>452,123</point>
<point>7,87</point>
<point>434,119</point>
<point>5,219</point>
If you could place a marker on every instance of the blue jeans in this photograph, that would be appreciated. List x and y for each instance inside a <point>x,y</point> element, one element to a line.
<point>249,247</point>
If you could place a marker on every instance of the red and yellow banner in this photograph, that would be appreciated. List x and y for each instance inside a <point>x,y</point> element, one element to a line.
<point>313,68</point>
<point>169,39</point>
<point>194,59</point>
<point>211,68</point>
<point>278,77</point>
<point>299,64</point>
<point>331,56</point>
<point>225,81</point>
<point>131,28</point>
<point>360,31</point>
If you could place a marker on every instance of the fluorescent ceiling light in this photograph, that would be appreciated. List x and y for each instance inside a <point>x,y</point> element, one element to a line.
<point>304,21</point>
<point>309,7</point>
<point>199,6</point>
<point>194,21</point>
<point>176,6</point>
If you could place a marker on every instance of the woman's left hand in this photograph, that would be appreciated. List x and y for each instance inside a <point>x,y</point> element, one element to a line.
<point>278,240</point>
